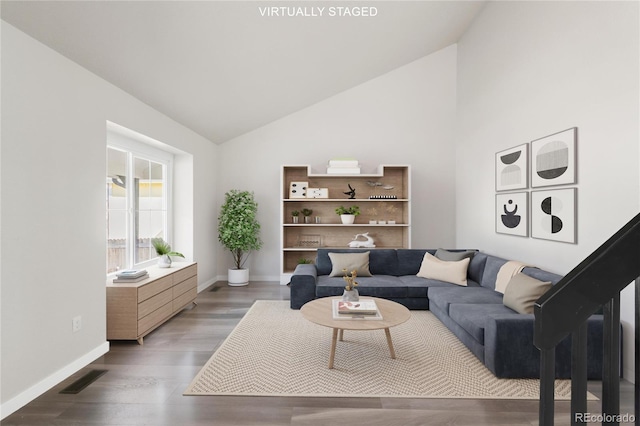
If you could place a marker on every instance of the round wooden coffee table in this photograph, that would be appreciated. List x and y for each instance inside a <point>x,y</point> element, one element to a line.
<point>320,311</point>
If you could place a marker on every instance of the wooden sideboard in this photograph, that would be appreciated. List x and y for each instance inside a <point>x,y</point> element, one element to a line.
<point>136,309</point>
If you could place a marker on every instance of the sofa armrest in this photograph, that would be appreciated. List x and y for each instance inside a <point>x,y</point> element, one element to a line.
<point>303,285</point>
<point>509,350</point>
<point>508,346</point>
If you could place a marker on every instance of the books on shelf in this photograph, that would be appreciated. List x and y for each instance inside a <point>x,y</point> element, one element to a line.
<point>363,309</point>
<point>343,162</point>
<point>343,170</point>
<point>343,166</point>
<point>131,276</point>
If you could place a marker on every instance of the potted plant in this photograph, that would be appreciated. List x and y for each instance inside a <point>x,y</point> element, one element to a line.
<point>239,232</point>
<point>163,249</point>
<point>294,216</point>
<point>348,214</point>
<point>306,213</point>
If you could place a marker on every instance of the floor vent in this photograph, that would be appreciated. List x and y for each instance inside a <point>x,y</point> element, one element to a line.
<point>83,382</point>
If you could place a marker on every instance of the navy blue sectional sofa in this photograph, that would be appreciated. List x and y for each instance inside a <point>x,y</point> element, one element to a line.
<point>499,336</point>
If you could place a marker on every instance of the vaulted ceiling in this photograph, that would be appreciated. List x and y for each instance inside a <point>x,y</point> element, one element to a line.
<point>224,68</point>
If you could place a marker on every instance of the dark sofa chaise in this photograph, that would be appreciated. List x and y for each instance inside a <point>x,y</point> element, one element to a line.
<point>499,336</point>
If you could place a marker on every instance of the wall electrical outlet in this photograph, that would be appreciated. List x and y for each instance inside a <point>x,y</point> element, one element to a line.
<point>76,324</point>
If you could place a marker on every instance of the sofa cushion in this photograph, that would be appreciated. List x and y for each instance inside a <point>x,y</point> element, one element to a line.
<point>454,255</point>
<point>476,267</point>
<point>472,317</point>
<point>341,262</point>
<point>490,273</point>
<point>523,291</point>
<point>409,260</point>
<point>442,297</point>
<point>453,272</point>
<point>418,286</point>
<point>381,261</point>
<point>384,286</point>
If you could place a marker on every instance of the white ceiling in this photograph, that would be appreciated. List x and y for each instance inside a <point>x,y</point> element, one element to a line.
<point>223,69</point>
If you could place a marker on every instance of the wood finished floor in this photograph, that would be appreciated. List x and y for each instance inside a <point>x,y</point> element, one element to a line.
<point>144,385</point>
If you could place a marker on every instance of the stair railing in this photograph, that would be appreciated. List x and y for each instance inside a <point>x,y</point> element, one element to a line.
<point>563,310</point>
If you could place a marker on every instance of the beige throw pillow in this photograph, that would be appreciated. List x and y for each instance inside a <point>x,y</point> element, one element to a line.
<point>451,272</point>
<point>350,262</point>
<point>523,291</point>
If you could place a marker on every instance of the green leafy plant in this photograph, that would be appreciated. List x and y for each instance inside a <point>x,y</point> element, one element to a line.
<point>307,212</point>
<point>238,228</point>
<point>304,261</point>
<point>354,210</point>
<point>295,213</point>
<point>162,248</point>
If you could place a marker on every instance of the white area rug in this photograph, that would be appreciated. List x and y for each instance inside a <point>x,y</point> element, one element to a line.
<point>274,351</point>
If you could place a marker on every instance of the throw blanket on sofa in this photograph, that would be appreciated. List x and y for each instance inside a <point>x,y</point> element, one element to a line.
<point>506,272</point>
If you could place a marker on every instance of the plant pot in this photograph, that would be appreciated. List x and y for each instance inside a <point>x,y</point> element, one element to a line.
<point>350,295</point>
<point>238,277</point>
<point>164,261</point>
<point>307,219</point>
<point>294,219</point>
<point>347,219</point>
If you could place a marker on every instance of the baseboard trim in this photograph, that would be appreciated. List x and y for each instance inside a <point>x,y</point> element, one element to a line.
<point>203,286</point>
<point>274,278</point>
<point>19,401</point>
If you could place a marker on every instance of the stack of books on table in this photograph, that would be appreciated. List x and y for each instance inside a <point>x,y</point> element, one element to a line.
<point>362,309</point>
<point>131,276</point>
<point>343,167</point>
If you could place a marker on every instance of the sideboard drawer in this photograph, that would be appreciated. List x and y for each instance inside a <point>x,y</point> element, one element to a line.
<point>155,302</point>
<point>185,286</point>
<point>158,286</point>
<point>184,299</point>
<point>185,273</point>
<point>156,317</point>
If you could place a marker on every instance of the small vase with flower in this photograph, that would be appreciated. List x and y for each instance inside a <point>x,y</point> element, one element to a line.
<point>350,293</point>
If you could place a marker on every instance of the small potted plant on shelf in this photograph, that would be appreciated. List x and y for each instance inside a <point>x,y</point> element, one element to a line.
<point>307,215</point>
<point>163,249</point>
<point>294,216</point>
<point>348,214</point>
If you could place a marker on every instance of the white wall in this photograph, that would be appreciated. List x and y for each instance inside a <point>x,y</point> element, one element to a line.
<point>403,117</point>
<point>53,165</point>
<point>530,69</point>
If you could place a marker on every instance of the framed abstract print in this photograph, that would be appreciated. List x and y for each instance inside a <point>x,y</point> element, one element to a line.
<point>553,159</point>
<point>553,215</point>
<point>512,168</point>
<point>512,213</point>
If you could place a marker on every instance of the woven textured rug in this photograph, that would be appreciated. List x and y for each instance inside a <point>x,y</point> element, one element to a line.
<point>274,351</point>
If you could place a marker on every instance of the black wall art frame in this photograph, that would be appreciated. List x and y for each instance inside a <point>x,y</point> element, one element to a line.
<point>512,213</point>
<point>554,215</point>
<point>553,159</point>
<point>512,168</point>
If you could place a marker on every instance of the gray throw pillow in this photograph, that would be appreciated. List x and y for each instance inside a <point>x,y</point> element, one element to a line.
<point>523,291</point>
<point>454,256</point>
<point>349,261</point>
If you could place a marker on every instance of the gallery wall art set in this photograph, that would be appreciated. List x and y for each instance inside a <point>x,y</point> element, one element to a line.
<point>549,214</point>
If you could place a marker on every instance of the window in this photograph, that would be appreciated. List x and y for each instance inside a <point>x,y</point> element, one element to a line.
<point>137,204</point>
